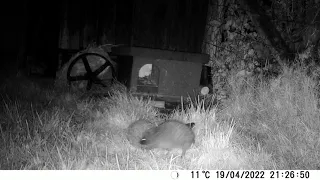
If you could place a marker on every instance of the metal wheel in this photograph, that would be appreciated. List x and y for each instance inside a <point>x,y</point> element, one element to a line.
<point>90,75</point>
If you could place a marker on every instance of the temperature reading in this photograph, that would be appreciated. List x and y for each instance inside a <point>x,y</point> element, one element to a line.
<point>198,174</point>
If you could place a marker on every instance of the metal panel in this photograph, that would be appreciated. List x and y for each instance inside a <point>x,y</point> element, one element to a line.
<point>163,73</point>
<point>176,78</point>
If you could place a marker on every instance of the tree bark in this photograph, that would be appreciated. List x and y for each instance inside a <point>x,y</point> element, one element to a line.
<point>268,29</point>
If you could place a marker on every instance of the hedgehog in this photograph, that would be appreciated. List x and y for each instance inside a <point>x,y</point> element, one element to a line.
<point>169,135</point>
<point>136,129</point>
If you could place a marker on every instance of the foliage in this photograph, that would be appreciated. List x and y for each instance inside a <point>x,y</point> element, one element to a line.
<point>235,44</point>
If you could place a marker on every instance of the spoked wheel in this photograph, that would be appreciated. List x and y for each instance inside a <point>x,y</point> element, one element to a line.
<point>91,76</point>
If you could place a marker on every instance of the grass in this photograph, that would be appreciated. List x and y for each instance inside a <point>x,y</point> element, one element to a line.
<point>262,125</point>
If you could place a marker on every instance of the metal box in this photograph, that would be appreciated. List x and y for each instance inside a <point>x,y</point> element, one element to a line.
<point>164,74</point>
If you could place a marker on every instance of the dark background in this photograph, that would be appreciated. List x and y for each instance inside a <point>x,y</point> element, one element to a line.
<point>42,29</point>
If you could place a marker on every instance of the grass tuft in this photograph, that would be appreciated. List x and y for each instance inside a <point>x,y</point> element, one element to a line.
<point>263,125</point>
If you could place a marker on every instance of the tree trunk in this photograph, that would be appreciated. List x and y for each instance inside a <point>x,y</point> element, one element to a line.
<point>268,29</point>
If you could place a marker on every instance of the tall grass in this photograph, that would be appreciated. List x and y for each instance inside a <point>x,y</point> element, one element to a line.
<point>263,125</point>
<point>280,118</point>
